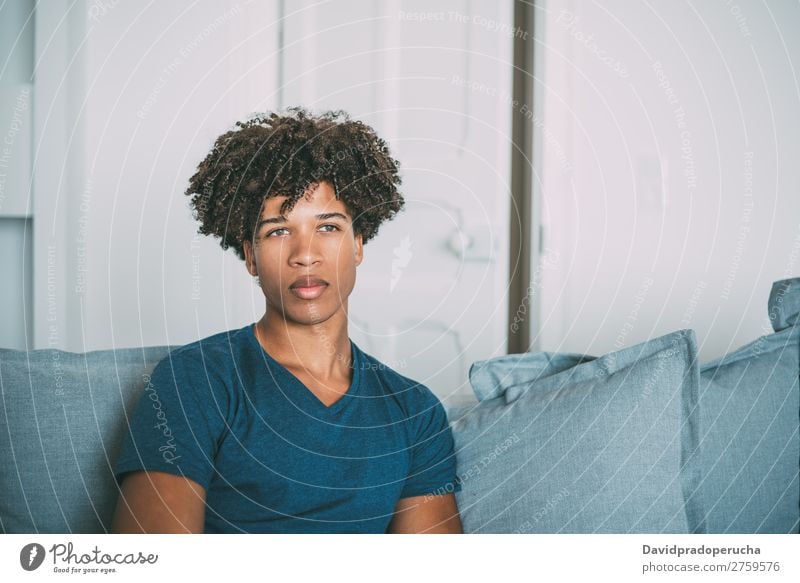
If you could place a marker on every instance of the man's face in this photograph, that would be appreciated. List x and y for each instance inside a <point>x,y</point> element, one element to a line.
<point>307,260</point>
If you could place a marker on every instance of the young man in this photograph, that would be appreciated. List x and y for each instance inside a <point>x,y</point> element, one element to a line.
<point>285,425</point>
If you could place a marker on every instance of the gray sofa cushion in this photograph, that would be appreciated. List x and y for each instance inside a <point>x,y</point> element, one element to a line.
<point>598,447</point>
<point>492,378</point>
<point>749,445</point>
<point>784,303</point>
<point>61,426</point>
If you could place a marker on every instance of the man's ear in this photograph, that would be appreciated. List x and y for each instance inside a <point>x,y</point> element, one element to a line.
<point>249,259</point>
<point>359,249</point>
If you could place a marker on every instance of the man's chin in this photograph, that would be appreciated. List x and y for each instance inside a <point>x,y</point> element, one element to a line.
<point>309,315</point>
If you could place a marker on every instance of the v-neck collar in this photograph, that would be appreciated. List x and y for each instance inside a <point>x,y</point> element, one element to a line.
<point>302,397</point>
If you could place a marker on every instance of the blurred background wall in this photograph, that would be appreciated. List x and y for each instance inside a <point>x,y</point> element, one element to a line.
<point>664,187</point>
<point>670,189</point>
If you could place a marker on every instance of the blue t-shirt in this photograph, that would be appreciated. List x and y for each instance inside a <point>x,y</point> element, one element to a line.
<point>271,456</point>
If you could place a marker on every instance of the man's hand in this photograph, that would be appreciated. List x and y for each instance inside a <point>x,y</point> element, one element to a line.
<point>426,514</point>
<point>159,502</point>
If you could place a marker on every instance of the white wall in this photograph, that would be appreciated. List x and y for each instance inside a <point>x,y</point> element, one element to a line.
<point>138,93</point>
<point>670,188</point>
<point>130,96</point>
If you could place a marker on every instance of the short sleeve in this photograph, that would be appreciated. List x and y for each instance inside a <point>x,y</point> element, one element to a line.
<point>433,461</point>
<point>177,423</point>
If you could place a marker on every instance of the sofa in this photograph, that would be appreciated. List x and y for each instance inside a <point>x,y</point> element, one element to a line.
<point>642,440</point>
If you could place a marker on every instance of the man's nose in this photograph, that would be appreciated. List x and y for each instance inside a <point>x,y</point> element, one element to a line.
<point>305,250</point>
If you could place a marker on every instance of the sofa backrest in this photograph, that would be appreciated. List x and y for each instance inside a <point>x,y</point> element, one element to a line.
<point>61,427</point>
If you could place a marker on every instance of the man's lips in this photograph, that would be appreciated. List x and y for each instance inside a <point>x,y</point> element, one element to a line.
<point>308,281</point>
<point>308,288</point>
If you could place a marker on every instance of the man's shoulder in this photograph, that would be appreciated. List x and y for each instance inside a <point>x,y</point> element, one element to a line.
<point>215,350</point>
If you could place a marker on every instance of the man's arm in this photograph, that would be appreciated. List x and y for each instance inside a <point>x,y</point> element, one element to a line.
<point>426,514</point>
<point>158,502</point>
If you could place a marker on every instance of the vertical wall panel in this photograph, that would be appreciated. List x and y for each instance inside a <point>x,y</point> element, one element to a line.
<point>16,95</point>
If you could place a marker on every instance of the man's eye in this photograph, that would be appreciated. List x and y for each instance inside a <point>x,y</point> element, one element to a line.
<point>325,228</point>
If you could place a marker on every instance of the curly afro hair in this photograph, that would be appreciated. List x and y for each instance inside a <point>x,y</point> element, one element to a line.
<point>289,155</point>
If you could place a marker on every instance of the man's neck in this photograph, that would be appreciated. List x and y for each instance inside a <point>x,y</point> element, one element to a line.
<point>322,350</point>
